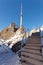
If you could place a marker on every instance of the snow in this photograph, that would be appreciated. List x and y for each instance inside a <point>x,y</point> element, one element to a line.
<point>41,30</point>
<point>7,57</point>
<point>42,41</point>
<point>3,42</point>
<point>41,34</point>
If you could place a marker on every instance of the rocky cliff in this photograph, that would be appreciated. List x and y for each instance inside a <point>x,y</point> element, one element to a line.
<point>9,31</point>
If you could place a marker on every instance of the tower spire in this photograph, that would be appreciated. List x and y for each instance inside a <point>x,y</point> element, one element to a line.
<point>21,16</point>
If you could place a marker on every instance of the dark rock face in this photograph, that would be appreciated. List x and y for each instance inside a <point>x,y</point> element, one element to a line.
<point>16,47</point>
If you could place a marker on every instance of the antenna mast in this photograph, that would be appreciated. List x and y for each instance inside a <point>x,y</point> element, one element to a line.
<point>21,17</point>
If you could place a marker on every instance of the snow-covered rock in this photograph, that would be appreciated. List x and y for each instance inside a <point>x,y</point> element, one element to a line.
<point>41,34</point>
<point>17,37</point>
<point>34,31</point>
<point>41,31</point>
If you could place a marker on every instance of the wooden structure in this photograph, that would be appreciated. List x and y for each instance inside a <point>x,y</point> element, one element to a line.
<point>31,55</point>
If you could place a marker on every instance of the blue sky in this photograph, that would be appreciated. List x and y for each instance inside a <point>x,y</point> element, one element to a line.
<point>32,13</point>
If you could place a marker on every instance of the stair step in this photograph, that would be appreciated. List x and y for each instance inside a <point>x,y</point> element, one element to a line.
<point>34,40</point>
<point>31,41</point>
<point>33,51</point>
<point>32,55</point>
<point>26,63</point>
<point>32,47</point>
<point>30,44</point>
<point>32,61</point>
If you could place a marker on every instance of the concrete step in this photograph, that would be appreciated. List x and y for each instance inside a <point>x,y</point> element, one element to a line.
<point>38,57</point>
<point>32,61</point>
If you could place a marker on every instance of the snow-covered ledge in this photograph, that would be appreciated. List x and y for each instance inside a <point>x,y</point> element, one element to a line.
<point>41,35</point>
<point>42,44</point>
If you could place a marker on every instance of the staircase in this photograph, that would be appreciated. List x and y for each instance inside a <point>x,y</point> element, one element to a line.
<point>31,55</point>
